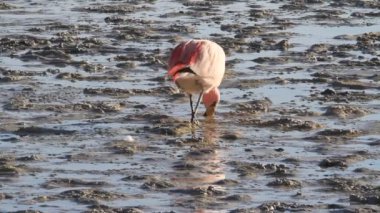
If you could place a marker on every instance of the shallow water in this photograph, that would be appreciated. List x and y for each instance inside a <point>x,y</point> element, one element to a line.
<point>115,149</point>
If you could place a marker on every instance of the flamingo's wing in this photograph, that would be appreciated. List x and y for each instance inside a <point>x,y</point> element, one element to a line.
<point>210,64</point>
<point>183,56</point>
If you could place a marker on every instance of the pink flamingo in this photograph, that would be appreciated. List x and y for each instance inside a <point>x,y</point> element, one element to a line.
<point>197,67</point>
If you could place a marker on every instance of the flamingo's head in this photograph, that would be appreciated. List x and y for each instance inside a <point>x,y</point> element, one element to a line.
<point>211,100</point>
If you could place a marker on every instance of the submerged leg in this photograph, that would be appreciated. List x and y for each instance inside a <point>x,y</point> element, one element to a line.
<point>191,107</point>
<point>194,112</point>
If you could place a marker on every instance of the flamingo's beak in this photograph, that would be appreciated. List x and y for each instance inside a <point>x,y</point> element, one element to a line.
<point>210,111</point>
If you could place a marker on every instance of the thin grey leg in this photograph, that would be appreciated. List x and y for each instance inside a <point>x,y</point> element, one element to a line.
<point>194,112</point>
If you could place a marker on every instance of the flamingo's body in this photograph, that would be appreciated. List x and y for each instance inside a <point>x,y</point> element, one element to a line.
<point>197,67</point>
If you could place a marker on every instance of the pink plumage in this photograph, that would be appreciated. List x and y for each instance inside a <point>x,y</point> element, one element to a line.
<point>197,67</point>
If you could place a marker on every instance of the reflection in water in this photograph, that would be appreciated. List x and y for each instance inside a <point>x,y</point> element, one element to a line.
<point>199,168</point>
<point>202,164</point>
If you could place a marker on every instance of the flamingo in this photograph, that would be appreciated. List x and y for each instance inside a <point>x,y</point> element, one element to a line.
<point>197,67</point>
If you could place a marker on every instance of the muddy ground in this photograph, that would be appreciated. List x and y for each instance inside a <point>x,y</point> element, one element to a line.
<point>90,123</point>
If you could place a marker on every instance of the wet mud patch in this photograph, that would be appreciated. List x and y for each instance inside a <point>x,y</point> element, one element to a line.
<point>157,184</point>
<point>246,169</point>
<point>282,206</point>
<point>345,111</point>
<point>129,92</point>
<point>136,178</point>
<point>67,183</point>
<point>88,196</point>
<point>101,107</point>
<point>286,124</point>
<point>343,96</point>
<point>105,208</point>
<point>11,168</point>
<point>208,191</point>
<point>5,6</point>
<point>285,183</point>
<point>357,85</point>
<point>357,191</point>
<point>227,182</point>
<point>34,130</point>
<point>336,135</point>
<point>60,59</point>
<point>254,107</point>
<point>237,198</point>
<point>16,43</point>
<point>161,124</point>
<point>80,77</point>
<point>5,196</point>
<point>124,148</point>
<point>343,161</point>
<point>8,170</point>
<point>25,73</point>
<point>47,102</point>
<point>116,8</point>
<point>206,197</point>
<point>340,132</point>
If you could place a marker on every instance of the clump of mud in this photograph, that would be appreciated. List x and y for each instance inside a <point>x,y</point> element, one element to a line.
<point>105,208</point>
<point>201,191</point>
<point>67,182</point>
<point>286,183</point>
<point>345,111</point>
<point>286,124</point>
<point>125,147</point>
<point>343,161</point>
<point>157,184</point>
<point>246,169</point>
<point>88,196</point>
<point>254,107</point>
<point>21,102</point>
<point>282,206</point>
<point>34,130</point>
<point>9,170</point>
<point>340,132</point>
<point>358,191</point>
